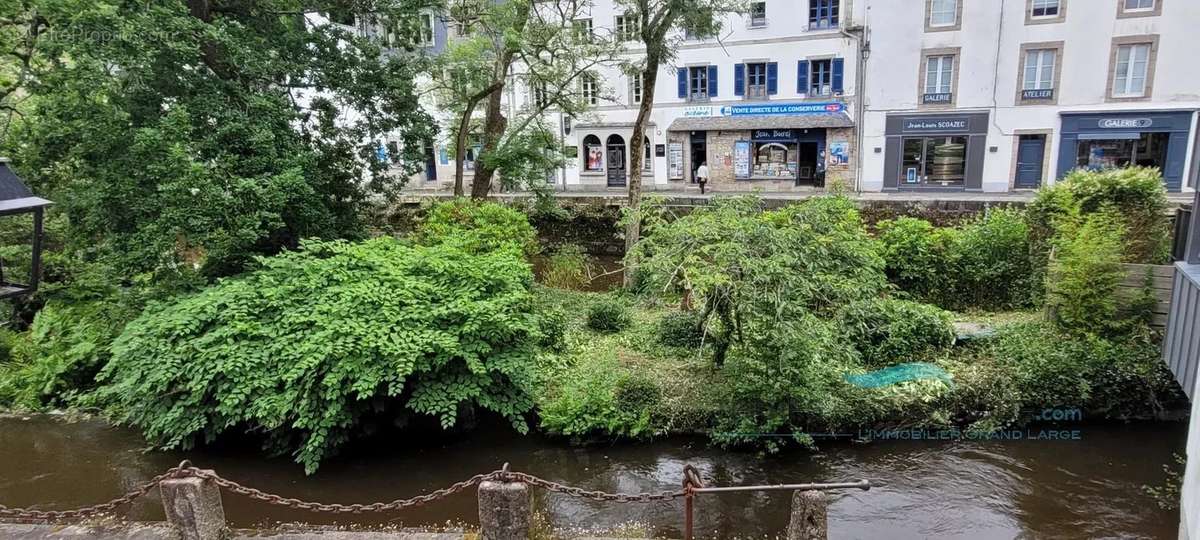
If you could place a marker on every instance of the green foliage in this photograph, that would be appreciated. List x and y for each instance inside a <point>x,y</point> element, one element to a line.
<point>60,355</point>
<point>608,315</point>
<point>785,380</point>
<point>984,263</point>
<point>887,331</point>
<point>601,397</point>
<point>477,227</point>
<point>681,329</point>
<point>166,136</point>
<point>1135,194</point>
<point>1085,274</point>
<point>566,268</point>
<point>553,326</point>
<point>305,347</point>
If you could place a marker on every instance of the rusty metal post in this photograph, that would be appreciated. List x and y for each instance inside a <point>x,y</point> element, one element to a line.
<point>193,508</point>
<point>810,519</point>
<point>691,481</point>
<point>504,509</point>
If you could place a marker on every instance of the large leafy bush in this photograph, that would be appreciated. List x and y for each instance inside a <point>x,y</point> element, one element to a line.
<point>599,396</point>
<point>315,340</point>
<point>477,227</point>
<point>1085,274</point>
<point>984,263</point>
<point>889,331</point>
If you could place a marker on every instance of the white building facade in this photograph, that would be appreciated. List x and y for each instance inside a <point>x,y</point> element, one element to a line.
<point>1001,95</point>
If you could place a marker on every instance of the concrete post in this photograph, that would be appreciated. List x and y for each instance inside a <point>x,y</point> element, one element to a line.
<point>193,508</point>
<point>504,511</point>
<point>809,518</point>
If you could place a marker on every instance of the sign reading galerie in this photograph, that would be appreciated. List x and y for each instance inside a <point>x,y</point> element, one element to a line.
<point>1125,123</point>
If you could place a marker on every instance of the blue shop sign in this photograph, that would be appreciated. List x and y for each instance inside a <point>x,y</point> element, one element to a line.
<point>935,124</point>
<point>783,109</point>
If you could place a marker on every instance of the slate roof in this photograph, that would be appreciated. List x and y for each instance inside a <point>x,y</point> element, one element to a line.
<point>14,194</point>
<point>744,123</point>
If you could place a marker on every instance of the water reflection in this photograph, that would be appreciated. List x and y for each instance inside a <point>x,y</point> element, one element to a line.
<point>942,489</point>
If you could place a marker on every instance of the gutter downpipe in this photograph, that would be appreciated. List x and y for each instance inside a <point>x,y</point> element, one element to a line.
<point>860,86</point>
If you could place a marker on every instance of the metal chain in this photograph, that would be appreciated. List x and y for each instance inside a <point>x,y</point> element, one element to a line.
<point>185,469</point>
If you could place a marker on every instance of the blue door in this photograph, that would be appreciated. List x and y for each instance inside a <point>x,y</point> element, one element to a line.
<point>1031,154</point>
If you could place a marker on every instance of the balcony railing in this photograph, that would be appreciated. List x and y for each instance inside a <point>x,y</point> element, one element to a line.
<point>1181,349</point>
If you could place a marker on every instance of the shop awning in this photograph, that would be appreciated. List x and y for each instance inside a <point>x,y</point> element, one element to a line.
<point>737,123</point>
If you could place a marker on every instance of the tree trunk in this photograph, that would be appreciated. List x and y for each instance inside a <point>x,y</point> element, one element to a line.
<point>493,129</point>
<point>460,147</point>
<point>633,228</point>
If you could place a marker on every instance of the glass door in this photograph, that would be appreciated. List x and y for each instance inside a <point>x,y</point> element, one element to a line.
<point>933,161</point>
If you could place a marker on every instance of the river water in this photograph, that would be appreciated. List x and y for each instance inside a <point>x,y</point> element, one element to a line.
<point>1027,487</point>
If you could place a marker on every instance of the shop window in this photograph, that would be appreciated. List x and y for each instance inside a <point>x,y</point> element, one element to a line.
<point>775,160</point>
<point>823,14</point>
<point>758,14</point>
<point>593,154</point>
<point>1147,150</point>
<point>1129,77</point>
<point>590,88</point>
<point>943,13</point>
<point>1039,69</point>
<point>934,161</point>
<point>1045,8</point>
<point>627,28</point>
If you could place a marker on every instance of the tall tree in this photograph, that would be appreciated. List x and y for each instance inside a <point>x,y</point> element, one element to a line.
<point>663,24</point>
<point>189,136</point>
<point>540,46</point>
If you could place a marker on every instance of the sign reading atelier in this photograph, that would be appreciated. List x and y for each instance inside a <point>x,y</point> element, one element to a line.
<point>1037,94</point>
<point>1125,123</point>
<point>935,124</point>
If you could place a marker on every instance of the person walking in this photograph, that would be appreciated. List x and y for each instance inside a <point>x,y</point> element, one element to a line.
<point>702,175</point>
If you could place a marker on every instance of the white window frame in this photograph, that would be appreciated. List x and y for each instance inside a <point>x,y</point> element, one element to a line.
<point>752,22</point>
<point>1125,77</point>
<point>941,80</point>
<point>636,89</point>
<point>1042,62</point>
<point>627,27</point>
<point>583,27</point>
<point>428,25</point>
<point>1125,6</point>
<point>590,88</point>
<point>1045,5</point>
<point>934,12</point>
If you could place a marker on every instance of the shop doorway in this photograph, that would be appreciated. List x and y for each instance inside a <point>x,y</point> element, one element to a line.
<point>933,161</point>
<point>430,164</point>
<point>615,146</point>
<point>699,152</point>
<point>807,159</point>
<point>1031,154</point>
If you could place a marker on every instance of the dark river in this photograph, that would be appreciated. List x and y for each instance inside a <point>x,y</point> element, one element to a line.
<point>1087,488</point>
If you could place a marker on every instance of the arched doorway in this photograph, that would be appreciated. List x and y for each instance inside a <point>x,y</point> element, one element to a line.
<point>615,153</point>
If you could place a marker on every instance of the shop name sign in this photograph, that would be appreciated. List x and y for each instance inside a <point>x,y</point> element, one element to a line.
<point>1037,94</point>
<point>1125,123</point>
<point>783,109</point>
<point>935,124</point>
<point>774,135</point>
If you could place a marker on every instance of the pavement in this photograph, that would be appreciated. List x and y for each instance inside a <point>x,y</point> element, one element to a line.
<point>159,531</point>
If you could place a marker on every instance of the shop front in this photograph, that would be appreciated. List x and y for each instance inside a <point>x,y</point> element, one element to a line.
<point>1112,140</point>
<point>941,151</point>
<point>777,147</point>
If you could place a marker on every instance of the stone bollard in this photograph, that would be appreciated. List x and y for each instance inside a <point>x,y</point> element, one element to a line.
<point>193,508</point>
<point>809,519</point>
<point>504,511</point>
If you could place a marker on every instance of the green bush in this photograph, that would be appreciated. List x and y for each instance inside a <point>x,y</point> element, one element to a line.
<point>305,347</point>
<point>553,326</point>
<point>1136,194</point>
<point>477,227</point>
<point>888,331</point>
<point>600,397</point>
<point>1085,274</point>
<point>59,357</point>
<point>681,329</point>
<point>608,316</point>
<point>982,264</point>
<point>566,268</point>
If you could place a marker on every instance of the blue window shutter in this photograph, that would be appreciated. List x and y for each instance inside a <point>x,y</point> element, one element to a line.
<point>682,74</point>
<point>739,79</point>
<point>712,81</point>
<point>772,78</point>
<point>838,66</point>
<point>802,77</point>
